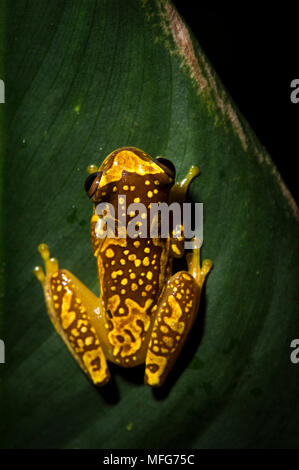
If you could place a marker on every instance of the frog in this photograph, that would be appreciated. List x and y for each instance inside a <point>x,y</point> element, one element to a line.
<point>145,311</point>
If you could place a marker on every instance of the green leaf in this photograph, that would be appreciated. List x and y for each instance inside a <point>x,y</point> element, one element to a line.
<point>82,79</point>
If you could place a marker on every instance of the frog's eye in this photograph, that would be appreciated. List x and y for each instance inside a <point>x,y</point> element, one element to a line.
<point>166,165</point>
<point>92,182</point>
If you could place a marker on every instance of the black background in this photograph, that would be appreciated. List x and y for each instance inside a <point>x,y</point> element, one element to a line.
<point>255,54</point>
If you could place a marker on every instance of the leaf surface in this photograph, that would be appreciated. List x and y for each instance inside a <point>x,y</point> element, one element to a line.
<point>82,79</point>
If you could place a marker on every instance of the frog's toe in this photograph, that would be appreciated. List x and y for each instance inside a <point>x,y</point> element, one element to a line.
<point>51,264</point>
<point>92,169</point>
<point>44,251</point>
<point>206,267</point>
<point>196,269</point>
<point>39,274</point>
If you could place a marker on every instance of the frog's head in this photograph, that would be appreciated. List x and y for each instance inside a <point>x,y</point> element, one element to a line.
<point>128,167</point>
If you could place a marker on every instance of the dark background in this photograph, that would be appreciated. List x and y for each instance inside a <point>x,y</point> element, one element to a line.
<point>255,54</point>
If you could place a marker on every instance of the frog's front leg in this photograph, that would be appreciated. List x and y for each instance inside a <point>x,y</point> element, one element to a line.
<point>74,312</point>
<point>175,314</point>
<point>178,194</point>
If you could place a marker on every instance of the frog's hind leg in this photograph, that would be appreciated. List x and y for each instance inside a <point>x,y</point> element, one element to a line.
<point>175,315</point>
<point>71,308</point>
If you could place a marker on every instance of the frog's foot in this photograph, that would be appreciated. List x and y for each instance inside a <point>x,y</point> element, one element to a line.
<point>199,272</point>
<point>179,190</point>
<point>71,308</point>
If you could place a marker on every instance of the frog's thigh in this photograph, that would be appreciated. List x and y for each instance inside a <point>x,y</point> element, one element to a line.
<point>70,307</point>
<point>174,317</point>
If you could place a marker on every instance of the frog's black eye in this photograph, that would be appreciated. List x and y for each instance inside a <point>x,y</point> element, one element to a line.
<point>166,165</point>
<point>92,182</point>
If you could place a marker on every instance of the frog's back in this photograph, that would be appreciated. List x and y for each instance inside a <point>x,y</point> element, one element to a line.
<point>131,271</point>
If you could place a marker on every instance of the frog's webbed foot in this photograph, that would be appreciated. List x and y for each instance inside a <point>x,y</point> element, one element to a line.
<point>175,316</point>
<point>71,308</point>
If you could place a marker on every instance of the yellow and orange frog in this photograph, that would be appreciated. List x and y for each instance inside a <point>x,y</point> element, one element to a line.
<point>144,312</point>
